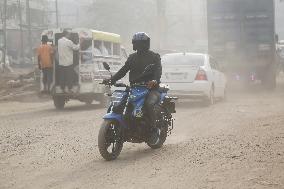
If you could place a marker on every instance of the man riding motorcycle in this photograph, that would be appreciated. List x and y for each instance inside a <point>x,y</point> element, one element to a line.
<point>136,64</point>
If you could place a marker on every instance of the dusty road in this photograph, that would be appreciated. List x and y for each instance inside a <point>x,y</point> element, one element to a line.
<point>233,144</point>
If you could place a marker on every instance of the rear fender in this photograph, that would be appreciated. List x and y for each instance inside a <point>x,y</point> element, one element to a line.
<point>116,117</point>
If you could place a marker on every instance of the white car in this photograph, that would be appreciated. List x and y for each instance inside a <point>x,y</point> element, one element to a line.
<point>194,75</point>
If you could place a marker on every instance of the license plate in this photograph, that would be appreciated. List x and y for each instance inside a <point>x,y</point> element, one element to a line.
<point>176,76</point>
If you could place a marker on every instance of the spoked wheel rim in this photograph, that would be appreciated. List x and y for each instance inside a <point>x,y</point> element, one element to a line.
<point>113,140</point>
<point>110,140</point>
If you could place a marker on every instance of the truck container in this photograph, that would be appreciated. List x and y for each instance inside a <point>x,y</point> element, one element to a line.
<point>241,35</point>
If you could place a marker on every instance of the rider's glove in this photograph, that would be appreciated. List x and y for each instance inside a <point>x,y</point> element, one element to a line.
<point>152,84</point>
<point>108,82</point>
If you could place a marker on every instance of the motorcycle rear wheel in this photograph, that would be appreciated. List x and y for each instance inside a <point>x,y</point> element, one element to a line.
<point>163,130</point>
<point>161,140</point>
<point>110,141</point>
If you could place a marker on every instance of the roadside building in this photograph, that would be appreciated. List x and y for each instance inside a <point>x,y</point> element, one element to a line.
<point>17,26</point>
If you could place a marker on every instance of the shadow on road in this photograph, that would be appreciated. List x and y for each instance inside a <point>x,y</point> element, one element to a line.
<point>81,108</point>
<point>190,104</point>
<point>52,112</point>
<point>137,153</point>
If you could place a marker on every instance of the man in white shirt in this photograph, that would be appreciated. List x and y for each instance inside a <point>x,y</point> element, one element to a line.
<point>65,55</point>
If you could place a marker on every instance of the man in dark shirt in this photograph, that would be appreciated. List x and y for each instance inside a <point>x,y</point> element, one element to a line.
<point>136,64</point>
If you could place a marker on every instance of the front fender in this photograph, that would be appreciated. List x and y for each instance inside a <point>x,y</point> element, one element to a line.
<point>116,117</point>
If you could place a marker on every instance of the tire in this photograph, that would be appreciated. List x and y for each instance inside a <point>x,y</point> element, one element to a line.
<point>211,99</point>
<point>162,139</point>
<point>162,128</point>
<point>59,102</point>
<point>89,102</point>
<point>105,140</point>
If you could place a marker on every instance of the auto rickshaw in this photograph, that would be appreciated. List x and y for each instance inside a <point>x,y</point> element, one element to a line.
<point>96,47</point>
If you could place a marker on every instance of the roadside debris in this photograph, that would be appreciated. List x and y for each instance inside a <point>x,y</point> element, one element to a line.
<point>13,86</point>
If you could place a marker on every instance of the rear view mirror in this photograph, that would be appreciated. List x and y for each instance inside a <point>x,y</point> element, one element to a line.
<point>106,66</point>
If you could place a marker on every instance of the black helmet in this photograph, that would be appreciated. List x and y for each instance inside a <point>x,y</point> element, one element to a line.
<point>141,42</point>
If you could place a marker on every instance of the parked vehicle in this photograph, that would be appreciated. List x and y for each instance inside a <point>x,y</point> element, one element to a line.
<point>126,121</point>
<point>241,36</point>
<point>96,47</point>
<point>194,75</point>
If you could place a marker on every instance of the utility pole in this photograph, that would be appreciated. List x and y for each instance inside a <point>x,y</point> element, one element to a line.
<point>5,31</point>
<point>21,30</point>
<point>29,29</point>
<point>56,13</point>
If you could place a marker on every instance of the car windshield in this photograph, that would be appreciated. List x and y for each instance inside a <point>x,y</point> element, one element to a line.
<point>181,59</point>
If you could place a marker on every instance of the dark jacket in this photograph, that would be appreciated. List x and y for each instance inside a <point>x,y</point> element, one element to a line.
<point>136,64</point>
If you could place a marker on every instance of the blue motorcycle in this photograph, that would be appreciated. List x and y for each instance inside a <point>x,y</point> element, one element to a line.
<point>126,120</point>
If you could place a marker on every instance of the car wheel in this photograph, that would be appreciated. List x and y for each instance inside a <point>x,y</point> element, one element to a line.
<point>89,101</point>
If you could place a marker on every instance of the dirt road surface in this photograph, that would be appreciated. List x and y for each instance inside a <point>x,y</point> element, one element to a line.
<point>234,144</point>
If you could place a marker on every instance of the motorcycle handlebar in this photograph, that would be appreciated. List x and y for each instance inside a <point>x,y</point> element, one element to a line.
<point>120,85</point>
<point>116,84</point>
<point>124,85</point>
<point>138,85</point>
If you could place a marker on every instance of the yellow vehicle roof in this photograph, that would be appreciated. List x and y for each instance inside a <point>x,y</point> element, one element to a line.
<point>105,36</point>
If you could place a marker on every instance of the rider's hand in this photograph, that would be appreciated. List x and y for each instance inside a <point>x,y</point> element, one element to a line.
<point>152,84</point>
<point>107,82</point>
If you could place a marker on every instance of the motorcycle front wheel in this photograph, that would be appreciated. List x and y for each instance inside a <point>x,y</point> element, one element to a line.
<point>110,141</point>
